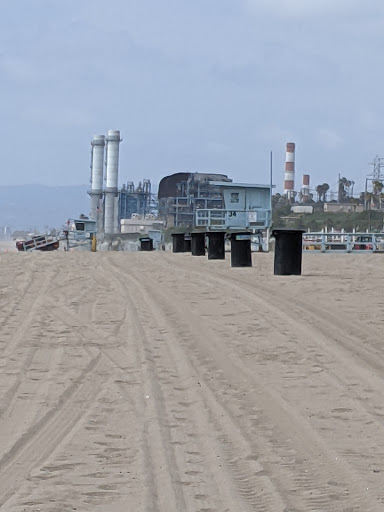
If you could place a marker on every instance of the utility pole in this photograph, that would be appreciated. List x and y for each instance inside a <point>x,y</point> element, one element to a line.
<point>270,198</point>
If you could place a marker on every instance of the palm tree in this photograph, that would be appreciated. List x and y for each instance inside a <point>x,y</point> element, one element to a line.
<point>368,196</point>
<point>345,186</point>
<point>325,190</point>
<point>342,192</point>
<point>351,189</point>
<point>322,191</point>
<point>377,189</point>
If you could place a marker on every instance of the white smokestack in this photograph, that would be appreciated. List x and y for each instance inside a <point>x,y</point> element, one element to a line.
<point>112,178</point>
<point>97,165</point>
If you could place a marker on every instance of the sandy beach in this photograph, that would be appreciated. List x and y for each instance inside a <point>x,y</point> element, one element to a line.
<point>167,382</point>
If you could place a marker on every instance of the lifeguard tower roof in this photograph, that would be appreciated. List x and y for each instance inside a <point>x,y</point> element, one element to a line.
<point>242,185</point>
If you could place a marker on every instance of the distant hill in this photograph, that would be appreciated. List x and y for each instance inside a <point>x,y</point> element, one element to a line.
<point>37,206</point>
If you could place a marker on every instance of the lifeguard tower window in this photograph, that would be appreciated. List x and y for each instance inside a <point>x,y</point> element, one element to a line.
<point>235,197</point>
<point>80,226</point>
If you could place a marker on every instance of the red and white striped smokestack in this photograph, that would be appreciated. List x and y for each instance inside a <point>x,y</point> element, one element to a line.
<point>289,175</point>
<point>305,188</point>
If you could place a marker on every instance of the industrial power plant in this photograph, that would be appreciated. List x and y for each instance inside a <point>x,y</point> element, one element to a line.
<point>208,201</point>
<point>193,200</point>
<point>109,204</point>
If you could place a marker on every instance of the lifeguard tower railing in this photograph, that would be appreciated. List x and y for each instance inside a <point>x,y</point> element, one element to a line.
<point>343,242</point>
<point>233,219</point>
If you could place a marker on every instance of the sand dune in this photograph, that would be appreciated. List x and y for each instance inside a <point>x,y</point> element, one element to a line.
<point>166,382</point>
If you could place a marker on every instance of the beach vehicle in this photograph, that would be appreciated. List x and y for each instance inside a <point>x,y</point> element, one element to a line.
<point>38,243</point>
<point>363,243</point>
<point>343,242</point>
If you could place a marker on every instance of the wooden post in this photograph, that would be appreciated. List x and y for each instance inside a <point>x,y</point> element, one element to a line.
<point>93,249</point>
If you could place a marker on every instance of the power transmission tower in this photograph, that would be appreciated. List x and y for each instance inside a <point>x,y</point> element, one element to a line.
<point>378,164</point>
<point>377,175</point>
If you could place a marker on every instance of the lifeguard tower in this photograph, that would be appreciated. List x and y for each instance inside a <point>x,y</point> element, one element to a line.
<point>79,233</point>
<point>81,229</point>
<point>246,206</point>
<point>246,219</point>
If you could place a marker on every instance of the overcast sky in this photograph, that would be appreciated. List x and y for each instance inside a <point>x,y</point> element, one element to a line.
<point>193,85</point>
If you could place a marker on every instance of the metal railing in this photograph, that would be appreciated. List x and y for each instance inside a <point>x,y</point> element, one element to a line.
<point>259,218</point>
<point>343,242</point>
<point>78,235</point>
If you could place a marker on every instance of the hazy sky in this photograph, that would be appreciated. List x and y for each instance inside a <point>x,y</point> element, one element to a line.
<point>193,85</point>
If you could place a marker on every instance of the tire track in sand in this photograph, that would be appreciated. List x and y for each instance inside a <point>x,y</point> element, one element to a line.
<point>160,451</point>
<point>238,480</point>
<point>357,386</point>
<point>31,298</point>
<point>330,337</point>
<point>160,490</point>
<point>32,356</point>
<point>306,475</point>
<point>42,438</point>
<point>89,338</point>
<point>9,358</point>
<point>29,270</point>
<point>251,484</point>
